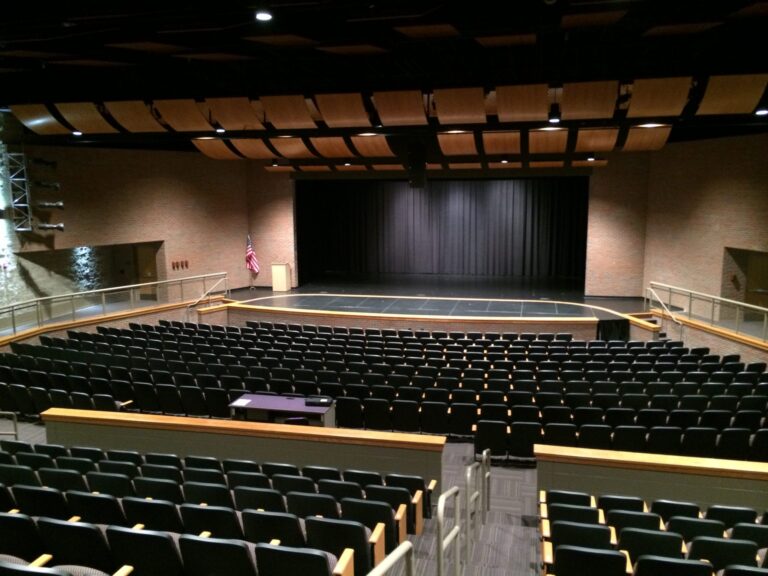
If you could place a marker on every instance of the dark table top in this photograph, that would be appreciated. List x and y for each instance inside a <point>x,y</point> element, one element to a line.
<point>277,404</point>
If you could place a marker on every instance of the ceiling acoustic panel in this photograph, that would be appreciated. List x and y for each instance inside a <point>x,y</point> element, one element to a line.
<point>465,165</point>
<point>586,100</point>
<point>342,110</point>
<point>732,94</point>
<point>372,146</point>
<point>547,141</point>
<point>331,147</point>
<point>85,117</point>
<point>215,148</point>
<point>596,139</point>
<point>597,163</point>
<point>658,97</point>
<point>501,142</point>
<point>388,167</point>
<point>350,168</point>
<point>315,168</point>
<point>401,108</point>
<point>287,112</point>
<point>546,164</point>
<point>234,114</point>
<point>526,103</point>
<point>293,148</point>
<point>39,119</point>
<point>134,116</point>
<point>591,19</point>
<point>253,148</point>
<point>274,168</point>
<point>282,40</point>
<point>506,40</point>
<point>182,114</point>
<point>457,144</point>
<point>428,31</point>
<point>505,165</point>
<point>685,29</point>
<point>644,139</point>
<point>460,105</point>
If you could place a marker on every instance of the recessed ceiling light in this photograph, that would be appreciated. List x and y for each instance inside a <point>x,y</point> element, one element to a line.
<point>285,136</point>
<point>650,125</point>
<point>455,132</point>
<point>367,134</point>
<point>220,130</point>
<point>554,114</point>
<point>263,16</point>
<point>347,164</point>
<point>205,138</point>
<point>274,163</point>
<point>761,112</point>
<point>505,161</point>
<point>77,133</point>
<point>590,158</point>
<point>550,129</point>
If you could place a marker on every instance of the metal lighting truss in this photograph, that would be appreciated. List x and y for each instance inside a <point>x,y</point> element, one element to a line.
<point>21,201</point>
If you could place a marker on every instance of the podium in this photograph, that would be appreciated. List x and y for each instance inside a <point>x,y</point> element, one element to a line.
<point>281,277</point>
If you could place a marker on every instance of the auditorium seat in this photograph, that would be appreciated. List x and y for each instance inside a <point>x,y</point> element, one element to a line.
<point>148,551</point>
<point>77,544</point>
<point>721,552</point>
<point>731,515</point>
<point>581,561</point>
<point>638,542</point>
<point>220,521</point>
<point>204,556</point>
<point>652,565</point>
<point>153,514</point>
<point>280,560</point>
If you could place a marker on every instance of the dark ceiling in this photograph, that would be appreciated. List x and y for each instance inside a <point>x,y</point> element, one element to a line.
<point>97,51</point>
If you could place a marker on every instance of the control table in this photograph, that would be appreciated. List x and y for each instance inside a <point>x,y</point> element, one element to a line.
<point>265,407</point>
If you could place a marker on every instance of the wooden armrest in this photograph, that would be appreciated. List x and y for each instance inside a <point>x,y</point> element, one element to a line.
<point>377,543</point>
<point>474,428</point>
<point>547,553</point>
<point>545,532</point>
<point>432,485</point>
<point>205,534</point>
<point>14,511</point>
<point>138,526</point>
<point>73,519</point>
<point>275,542</point>
<point>600,516</point>
<point>684,549</point>
<point>401,517</point>
<point>126,403</point>
<point>41,560</point>
<point>124,571</point>
<point>543,510</point>
<point>628,567</point>
<point>614,540</point>
<point>593,502</point>
<point>346,565</point>
<point>542,496</point>
<point>418,521</point>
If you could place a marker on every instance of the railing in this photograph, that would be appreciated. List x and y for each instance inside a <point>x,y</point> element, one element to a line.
<point>403,552</point>
<point>206,293</point>
<point>477,499</point>
<point>35,313</point>
<point>731,315</point>
<point>667,310</point>
<point>451,539</point>
<point>14,423</point>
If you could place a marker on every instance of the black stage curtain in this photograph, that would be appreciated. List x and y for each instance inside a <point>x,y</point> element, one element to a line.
<point>533,228</point>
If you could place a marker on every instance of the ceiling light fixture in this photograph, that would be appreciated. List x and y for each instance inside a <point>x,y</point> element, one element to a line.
<point>77,133</point>
<point>554,113</point>
<point>347,164</point>
<point>274,163</point>
<point>455,131</point>
<point>550,129</point>
<point>220,130</point>
<point>650,125</point>
<point>367,134</point>
<point>590,158</point>
<point>761,112</point>
<point>263,15</point>
<point>505,161</point>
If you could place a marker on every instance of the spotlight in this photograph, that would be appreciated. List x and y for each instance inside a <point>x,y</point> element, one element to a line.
<point>590,158</point>
<point>761,112</point>
<point>77,133</point>
<point>554,114</point>
<point>263,15</point>
<point>43,226</point>
<point>59,204</point>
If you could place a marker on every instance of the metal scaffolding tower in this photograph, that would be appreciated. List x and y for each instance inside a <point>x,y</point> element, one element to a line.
<point>18,185</point>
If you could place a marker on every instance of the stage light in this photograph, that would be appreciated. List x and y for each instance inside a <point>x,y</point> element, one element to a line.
<point>263,15</point>
<point>45,205</point>
<point>44,226</point>
<point>590,158</point>
<point>77,133</point>
<point>505,161</point>
<point>554,113</point>
<point>220,130</point>
<point>761,112</point>
<point>650,125</point>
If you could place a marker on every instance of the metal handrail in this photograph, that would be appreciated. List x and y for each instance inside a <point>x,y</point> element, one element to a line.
<point>665,307</point>
<point>403,552</point>
<point>709,296</point>
<point>14,420</point>
<point>444,542</point>
<point>477,499</point>
<point>204,294</point>
<point>35,306</point>
<point>486,466</point>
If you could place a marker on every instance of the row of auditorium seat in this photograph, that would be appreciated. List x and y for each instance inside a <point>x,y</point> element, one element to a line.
<point>582,535</point>
<point>515,441</point>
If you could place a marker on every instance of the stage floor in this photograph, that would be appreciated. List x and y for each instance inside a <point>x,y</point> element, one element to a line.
<point>441,295</point>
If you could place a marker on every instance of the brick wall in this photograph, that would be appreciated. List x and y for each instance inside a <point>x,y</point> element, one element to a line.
<point>271,223</point>
<point>616,227</point>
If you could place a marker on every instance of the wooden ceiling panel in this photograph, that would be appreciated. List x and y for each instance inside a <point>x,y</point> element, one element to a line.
<point>287,112</point>
<point>501,142</point>
<point>134,116</point>
<point>39,119</point>
<point>465,165</point>
<point>505,165</point>
<point>342,110</point>
<point>331,147</point>
<point>596,139</point>
<point>732,94</point>
<point>401,108</point>
<point>315,168</point>
<point>215,148</point>
<point>351,168</point>
<point>546,164</point>
<point>526,103</point>
<point>234,113</point>
<point>85,117</point>
<point>589,164</point>
<point>253,148</point>
<point>388,167</point>
<point>460,105</point>
<point>428,31</point>
<point>279,168</point>
<point>547,141</point>
<point>151,47</point>
<point>372,146</point>
<point>353,49</point>
<point>506,40</point>
<point>457,144</point>
<point>183,115</point>
<point>291,148</point>
<point>585,100</point>
<point>659,97</point>
<point>283,40</point>
<point>681,29</point>
<point>644,139</point>
<point>591,19</point>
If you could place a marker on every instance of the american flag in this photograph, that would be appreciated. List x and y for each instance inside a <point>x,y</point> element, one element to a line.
<point>250,257</point>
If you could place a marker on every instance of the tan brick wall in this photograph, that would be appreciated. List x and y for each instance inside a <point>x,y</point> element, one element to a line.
<point>616,227</point>
<point>703,197</point>
<point>271,223</point>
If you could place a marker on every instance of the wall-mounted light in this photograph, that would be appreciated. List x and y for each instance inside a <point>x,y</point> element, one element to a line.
<point>45,226</point>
